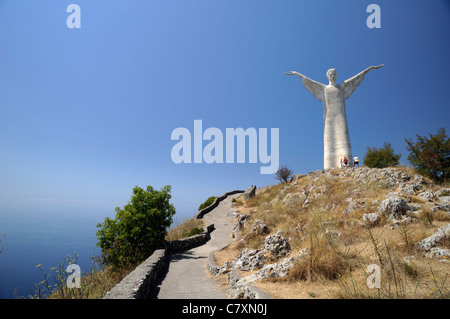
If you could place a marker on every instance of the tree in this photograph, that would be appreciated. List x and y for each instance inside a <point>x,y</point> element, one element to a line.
<point>138,229</point>
<point>283,174</point>
<point>382,157</point>
<point>431,156</point>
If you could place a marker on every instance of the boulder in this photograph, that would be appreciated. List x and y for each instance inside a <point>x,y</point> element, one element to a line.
<point>371,219</point>
<point>276,270</point>
<point>437,252</point>
<point>443,192</point>
<point>393,207</point>
<point>401,222</point>
<point>249,259</point>
<point>241,220</point>
<point>427,195</point>
<point>444,200</point>
<point>295,198</point>
<point>277,245</point>
<point>354,205</point>
<point>438,237</point>
<point>419,179</point>
<point>233,213</point>
<point>250,192</point>
<point>258,227</point>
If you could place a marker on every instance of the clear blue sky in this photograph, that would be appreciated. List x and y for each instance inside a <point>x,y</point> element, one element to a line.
<point>86,114</point>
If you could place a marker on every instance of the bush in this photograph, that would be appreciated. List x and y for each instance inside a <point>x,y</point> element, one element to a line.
<point>208,202</point>
<point>380,158</point>
<point>138,229</point>
<point>187,228</point>
<point>431,156</point>
<point>192,232</point>
<point>283,174</point>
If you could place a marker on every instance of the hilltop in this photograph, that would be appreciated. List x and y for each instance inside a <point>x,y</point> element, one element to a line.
<point>316,236</point>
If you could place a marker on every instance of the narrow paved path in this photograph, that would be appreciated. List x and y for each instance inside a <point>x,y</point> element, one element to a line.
<point>187,276</point>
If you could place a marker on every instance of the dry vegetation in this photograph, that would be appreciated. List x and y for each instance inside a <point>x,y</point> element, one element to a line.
<point>189,227</point>
<point>94,284</point>
<point>340,246</point>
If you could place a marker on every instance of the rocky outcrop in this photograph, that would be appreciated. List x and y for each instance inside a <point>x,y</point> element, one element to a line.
<point>428,245</point>
<point>277,245</point>
<point>393,207</point>
<point>249,192</point>
<point>371,219</point>
<point>249,259</point>
<point>241,287</point>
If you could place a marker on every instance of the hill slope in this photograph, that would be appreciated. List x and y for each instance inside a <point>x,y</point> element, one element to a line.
<point>316,236</point>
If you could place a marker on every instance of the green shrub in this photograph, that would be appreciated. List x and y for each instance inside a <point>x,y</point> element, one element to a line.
<point>382,157</point>
<point>431,155</point>
<point>208,202</point>
<point>138,229</point>
<point>192,232</point>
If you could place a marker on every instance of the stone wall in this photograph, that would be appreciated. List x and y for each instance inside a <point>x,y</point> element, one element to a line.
<point>138,283</point>
<point>216,202</point>
<point>190,242</point>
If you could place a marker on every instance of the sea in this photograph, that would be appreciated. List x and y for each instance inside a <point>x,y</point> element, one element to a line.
<point>47,232</point>
<point>45,236</point>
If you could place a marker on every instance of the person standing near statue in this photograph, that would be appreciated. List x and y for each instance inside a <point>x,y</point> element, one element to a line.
<point>355,161</point>
<point>345,161</point>
<point>335,133</point>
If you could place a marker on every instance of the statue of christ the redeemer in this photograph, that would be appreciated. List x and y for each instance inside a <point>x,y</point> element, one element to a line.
<point>336,137</point>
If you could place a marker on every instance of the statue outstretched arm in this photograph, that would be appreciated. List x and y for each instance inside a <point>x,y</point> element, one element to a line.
<point>312,86</point>
<point>351,84</point>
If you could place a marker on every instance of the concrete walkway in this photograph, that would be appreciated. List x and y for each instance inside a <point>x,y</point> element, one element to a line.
<point>187,276</point>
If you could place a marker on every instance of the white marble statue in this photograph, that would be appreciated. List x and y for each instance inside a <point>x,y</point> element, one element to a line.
<point>335,131</point>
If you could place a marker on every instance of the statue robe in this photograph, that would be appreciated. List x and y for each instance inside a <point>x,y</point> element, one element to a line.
<point>336,136</point>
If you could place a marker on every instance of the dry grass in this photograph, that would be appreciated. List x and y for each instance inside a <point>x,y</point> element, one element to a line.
<point>336,266</point>
<point>94,284</point>
<point>184,229</point>
<point>228,253</point>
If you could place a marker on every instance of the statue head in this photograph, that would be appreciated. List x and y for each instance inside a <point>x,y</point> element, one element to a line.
<point>332,75</point>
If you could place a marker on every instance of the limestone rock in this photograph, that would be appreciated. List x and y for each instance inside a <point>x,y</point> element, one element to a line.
<point>233,213</point>
<point>249,192</point>
<point>437,252</point>
<point>444,203</point>
<point>443,192</point>
<point>371,219</point>
<point>393,207</point>
<point>444,199</point>
<point>258,227</point>
<point>249,259</point>
<point>241,220</point>
<point>438,237</point>
<point>332,234</point>
<point>404,221</point>
<point>295,198</point>
<point>427,195</point>
<point>354,205</point>
<point>277,244</point>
